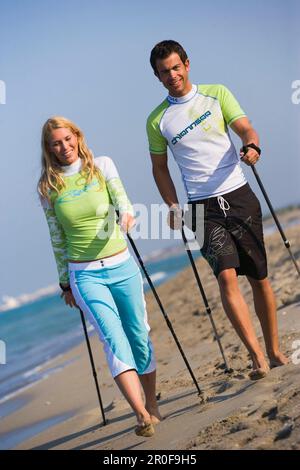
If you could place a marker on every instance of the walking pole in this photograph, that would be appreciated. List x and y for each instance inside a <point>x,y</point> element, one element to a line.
<point>92,365</point>
<point>208,310</point>
<point>285,240</point>
<point>200,392</point>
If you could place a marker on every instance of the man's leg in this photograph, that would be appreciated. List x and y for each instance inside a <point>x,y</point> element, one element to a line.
<point>239,315</point>
<point>265,307</point>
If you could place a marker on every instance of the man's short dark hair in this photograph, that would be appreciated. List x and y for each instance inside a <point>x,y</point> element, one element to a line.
<point>163,49</point>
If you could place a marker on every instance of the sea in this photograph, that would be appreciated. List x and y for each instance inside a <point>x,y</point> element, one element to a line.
<point>34,333</point>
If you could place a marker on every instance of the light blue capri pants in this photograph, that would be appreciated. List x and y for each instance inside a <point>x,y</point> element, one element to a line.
<point>111,295</point>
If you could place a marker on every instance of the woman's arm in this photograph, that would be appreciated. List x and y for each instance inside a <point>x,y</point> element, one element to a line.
<point>117,192</point>
<point>59,245</point>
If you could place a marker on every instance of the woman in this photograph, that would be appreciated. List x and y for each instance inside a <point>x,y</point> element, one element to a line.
<point>80,195</point>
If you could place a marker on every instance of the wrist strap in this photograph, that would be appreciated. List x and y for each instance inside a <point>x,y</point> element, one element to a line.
<point>253,146</point>
<point>65,288</point>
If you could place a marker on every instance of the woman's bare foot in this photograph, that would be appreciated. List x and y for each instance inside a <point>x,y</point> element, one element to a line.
<point>144,429</point>
<point>277,360</point>
<point>144,426</point>
<point>155,415</point>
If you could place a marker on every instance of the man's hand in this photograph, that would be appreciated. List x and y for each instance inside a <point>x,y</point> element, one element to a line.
<point>250,157</point>
<point>68,298</point>
<point>175,217</point>
<point>127,222</point>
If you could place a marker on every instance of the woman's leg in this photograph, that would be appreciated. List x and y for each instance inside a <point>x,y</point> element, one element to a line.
<point>96,301</point>
<point>148,382</point>
<point>129,384</point>
<point>133,314</point>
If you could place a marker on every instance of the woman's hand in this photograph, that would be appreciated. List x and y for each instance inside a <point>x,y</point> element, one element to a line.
<point>69,298</point>
<point>127,222</point>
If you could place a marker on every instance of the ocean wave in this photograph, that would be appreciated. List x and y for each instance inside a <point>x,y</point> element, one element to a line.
<point>10,303</point>
<point>16,392</point>
<point>35,377</point>
<point>38,368</point>
<point>156,277</point>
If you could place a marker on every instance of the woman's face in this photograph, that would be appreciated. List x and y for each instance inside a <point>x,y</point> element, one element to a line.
<point>64,144</point>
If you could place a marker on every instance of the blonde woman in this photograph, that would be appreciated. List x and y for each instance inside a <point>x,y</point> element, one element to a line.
<point>79,195</point>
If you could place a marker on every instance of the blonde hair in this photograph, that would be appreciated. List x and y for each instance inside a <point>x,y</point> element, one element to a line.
<point>51,175</point>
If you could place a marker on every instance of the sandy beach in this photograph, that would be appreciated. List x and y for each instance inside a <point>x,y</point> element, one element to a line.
<point>62,411</point>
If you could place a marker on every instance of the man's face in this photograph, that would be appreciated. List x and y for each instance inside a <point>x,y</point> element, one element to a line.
<point>173,74</point>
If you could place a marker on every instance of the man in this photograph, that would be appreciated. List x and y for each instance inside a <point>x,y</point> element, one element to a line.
<point>192,121</point>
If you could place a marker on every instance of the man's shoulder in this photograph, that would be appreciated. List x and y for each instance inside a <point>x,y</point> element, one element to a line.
<point>157,113</point>
<point>213,90</point>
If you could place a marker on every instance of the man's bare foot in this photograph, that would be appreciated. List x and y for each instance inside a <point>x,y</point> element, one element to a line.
<point>258,373</point>
<point>277,360</point>
<point>260,369</point>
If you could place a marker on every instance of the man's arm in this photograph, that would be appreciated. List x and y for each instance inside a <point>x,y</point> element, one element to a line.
<point>166,188</point>
<point>243,128</point>
<point>163,178</point>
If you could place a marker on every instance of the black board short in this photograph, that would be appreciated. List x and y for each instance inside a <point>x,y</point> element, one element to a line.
<point>233,233</point>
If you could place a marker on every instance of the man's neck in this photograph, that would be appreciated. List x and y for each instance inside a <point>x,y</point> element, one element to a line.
<point>184,92</point>
<point>184,97</point>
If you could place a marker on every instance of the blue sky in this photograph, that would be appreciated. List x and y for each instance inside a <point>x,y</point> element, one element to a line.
<point>89,61</point>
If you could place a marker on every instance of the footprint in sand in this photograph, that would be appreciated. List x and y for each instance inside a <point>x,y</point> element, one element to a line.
<point>285,431</point>
<point>115,405</point>
<point>225,386</point>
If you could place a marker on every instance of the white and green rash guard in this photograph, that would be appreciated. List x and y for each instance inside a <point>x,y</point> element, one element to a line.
<point>194,127</point>
<point>80,216</point>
